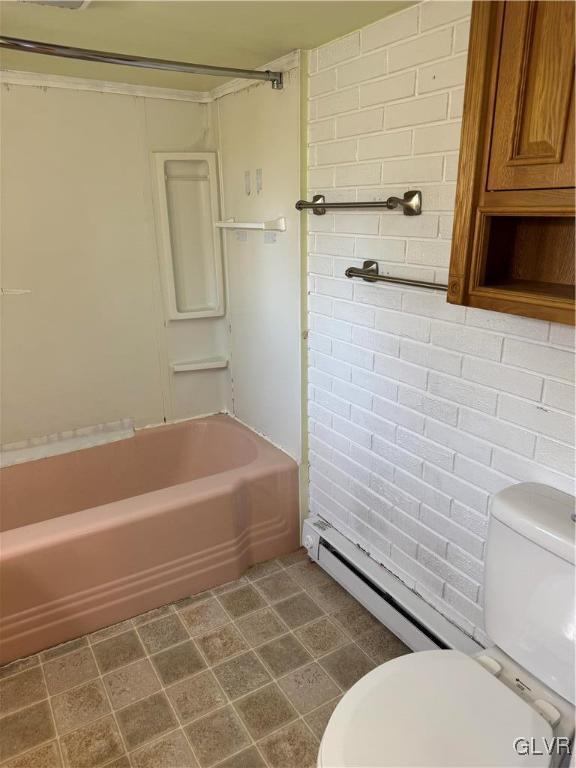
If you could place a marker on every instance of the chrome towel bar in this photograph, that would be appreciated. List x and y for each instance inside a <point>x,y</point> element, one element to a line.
<point>370,274</point>
<point>411,204</point>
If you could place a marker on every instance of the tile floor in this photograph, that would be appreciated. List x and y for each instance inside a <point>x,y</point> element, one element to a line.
<point>242,676</point>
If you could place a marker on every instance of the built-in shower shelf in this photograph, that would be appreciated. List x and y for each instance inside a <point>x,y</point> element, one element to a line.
<point>274,225</point>
<point>200,365</point>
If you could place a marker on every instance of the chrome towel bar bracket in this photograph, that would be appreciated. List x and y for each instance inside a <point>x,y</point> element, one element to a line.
<point>411,204</point>
<point>370,274</point>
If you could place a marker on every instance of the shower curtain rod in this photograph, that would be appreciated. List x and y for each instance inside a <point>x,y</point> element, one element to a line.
<point>85,54</point>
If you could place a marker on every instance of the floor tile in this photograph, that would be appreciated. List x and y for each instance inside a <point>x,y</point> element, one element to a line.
<point>128,684</point>
<point>278,586</point>
<point>284,654</point>
<point>308,574</point>
<point>22,690</point>
<point>118,651</point>
<point>162,684</point>
<point>248,758</point>
<point>381,645</point>
<point>260,570</point>
<point>347,665</point>
<point>146,719</point>
<point>292,746</point>
<point>230,585</point>
<point>60,650</point>
<point>70,670</point>
<point>294,557</point>
<point>321,637</point>
<point>161,633</point>
<point>92,746</point>
<point>331,597</point>
<point>185,602</point>
<point>241,674</point>
<point>80,706</point>
<point>204,616</point>
<point>25,729</point>
<point>355,619</point>
<point>221,643</point>
<point>46,756</point>
<point>241,601</point>
<point>155,613</point>
<point>171,751</point>
<point>265,710</point>
<point>178,662</point>
<point>261,626</point>
<point>196,696</point>
<point>216,736</point>
<point>318,719</point>
<point>298,610</point>
<point>21,665</point>
<point>121,762</point>
<point>114,629</point>
<point>308,687</point>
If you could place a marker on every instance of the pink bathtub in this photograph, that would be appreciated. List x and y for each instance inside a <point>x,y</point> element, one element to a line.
<point>102,534</point>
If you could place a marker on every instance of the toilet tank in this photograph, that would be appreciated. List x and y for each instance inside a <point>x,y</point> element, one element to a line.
<point>529,582</point>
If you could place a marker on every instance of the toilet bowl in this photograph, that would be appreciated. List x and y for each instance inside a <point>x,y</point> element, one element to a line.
<point>513,704</point>
<point>442,709</point>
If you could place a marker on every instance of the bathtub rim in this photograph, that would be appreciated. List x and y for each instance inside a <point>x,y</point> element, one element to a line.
<point>17,542</point>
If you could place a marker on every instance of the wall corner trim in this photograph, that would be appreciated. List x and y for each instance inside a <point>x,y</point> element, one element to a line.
<point>39,80</point>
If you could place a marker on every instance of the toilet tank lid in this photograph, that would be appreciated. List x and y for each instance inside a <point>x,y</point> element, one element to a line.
<point>539,513</point>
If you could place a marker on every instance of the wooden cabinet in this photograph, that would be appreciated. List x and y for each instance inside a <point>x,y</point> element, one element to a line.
<point>533,135</point>
<point>513,239</point>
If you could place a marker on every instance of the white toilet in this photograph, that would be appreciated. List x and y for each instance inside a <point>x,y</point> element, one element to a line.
<point>512,705</point>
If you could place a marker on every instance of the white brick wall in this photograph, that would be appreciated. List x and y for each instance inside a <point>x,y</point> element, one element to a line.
<point>419,410</point>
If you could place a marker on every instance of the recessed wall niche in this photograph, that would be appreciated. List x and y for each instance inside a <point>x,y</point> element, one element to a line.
<point>191,246</point>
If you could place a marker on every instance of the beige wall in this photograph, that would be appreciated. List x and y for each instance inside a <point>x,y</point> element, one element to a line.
<point>92,342</point>
<point>184,127</point>
<point>259,128</point>
<point>89,344</point>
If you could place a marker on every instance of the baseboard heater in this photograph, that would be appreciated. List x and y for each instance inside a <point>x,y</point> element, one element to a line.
<point>420,626</point>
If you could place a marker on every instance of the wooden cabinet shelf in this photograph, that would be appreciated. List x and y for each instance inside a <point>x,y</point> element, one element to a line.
<point>513,240</point>
<point>532,288</point>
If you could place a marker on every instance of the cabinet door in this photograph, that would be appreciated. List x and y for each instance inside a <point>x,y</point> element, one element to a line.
<point>533,133</point>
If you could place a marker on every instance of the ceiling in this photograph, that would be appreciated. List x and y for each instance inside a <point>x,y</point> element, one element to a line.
<point>219,32</point>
